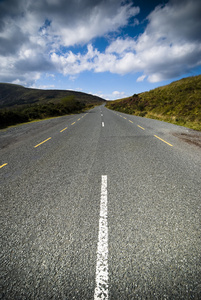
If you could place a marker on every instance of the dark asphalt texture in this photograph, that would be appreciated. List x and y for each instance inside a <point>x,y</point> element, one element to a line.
<point>50,205</point>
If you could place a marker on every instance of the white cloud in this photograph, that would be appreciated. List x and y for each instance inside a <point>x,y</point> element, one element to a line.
<point>117,93</point>
<point>167,48</point>
<point>141,78</point>
<point>101,19</point>
<point>50,75</point>
<point>43,87</point>
<point>72,77</point>
<point>99,95</point>
<point>121,45</point>
<point>170,45</point>
<point>34,34</point>
<point>136,22</point>
<point>113,96</point>
<point>78,89</point>
<point>74,63</point>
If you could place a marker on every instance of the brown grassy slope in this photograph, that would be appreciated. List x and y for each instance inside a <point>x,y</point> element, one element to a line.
<point>178,103</point>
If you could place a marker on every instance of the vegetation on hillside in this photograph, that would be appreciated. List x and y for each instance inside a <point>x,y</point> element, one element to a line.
<point>12,95</point>
<point>29,113</point>
<point>178,103</point>
<point>19,104</point>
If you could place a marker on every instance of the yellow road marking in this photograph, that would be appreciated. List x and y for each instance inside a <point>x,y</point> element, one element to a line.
<point>73,123</point>
<point>125,118</point>
<point>120,116</point>
<point>63,129</point>
<point>163,140</point>
<point>140,127</point>
<point>42,142</point>
<point>3,165</point>
<point>78,119</point>
<point>130,121</point>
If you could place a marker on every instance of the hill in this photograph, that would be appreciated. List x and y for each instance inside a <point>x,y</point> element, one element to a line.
<point>178,103</point>
<point>19,104</point>
<point>16,95</point>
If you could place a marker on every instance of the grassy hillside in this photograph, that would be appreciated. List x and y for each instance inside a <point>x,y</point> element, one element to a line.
<point>19,104</point>
<point>178,103</point>
<point>16,95</point>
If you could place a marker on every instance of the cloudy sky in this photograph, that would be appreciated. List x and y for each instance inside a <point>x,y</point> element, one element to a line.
<point>112,48</point>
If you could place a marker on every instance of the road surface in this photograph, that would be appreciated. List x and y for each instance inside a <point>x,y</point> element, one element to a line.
<point>100,205</point>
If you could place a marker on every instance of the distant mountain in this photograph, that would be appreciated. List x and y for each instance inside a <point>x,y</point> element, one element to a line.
<point>12,95</point>
<point>178,103</point>
<point>19,104</point>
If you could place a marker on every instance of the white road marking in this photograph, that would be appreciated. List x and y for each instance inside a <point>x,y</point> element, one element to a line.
<point>103,124</point>
<point>101,290</point>
<point>101,115</point>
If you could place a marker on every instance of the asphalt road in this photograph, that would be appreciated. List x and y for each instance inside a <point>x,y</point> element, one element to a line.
<point>100,205</point>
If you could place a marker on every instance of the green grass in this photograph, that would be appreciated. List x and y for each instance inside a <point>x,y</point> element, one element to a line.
<point>178,103</point>
<point>19,105</point>
<point>67,105</point>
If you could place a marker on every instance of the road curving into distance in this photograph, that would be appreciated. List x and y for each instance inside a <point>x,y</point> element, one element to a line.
<point>100,205</point>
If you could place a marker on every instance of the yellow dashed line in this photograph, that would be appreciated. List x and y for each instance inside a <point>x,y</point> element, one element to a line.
<point>140,127</point>
<point>3,165</point>
<point>42,142</point>
<point>130,121</point>
<point>63,129</point>
<point>73,123</point>
<point>78,119</point>
<point>163,140</point>
<point>125,118</point>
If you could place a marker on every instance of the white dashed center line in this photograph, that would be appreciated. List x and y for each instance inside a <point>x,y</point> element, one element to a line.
<point>103,124</point>
<point>101,290</point>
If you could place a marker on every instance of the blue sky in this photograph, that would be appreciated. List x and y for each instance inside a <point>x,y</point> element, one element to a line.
<point>110,48</point>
